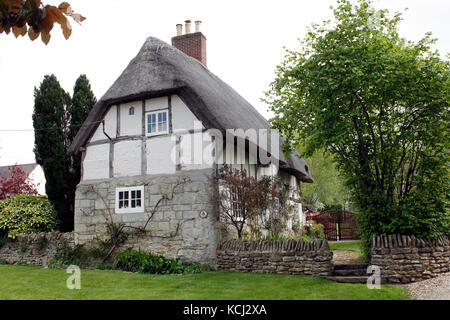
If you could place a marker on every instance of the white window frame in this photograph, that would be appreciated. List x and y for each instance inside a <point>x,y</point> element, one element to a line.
<point>237,211</point>
<point>129,209</point>
<point>157,132</point>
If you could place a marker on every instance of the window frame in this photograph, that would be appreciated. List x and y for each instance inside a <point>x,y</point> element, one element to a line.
<point>139,209</point>
<point>156,113</point>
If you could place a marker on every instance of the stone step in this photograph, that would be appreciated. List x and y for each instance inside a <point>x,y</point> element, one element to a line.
<point>351,266</point>
<point>350,272</point>
<point>354,279</point>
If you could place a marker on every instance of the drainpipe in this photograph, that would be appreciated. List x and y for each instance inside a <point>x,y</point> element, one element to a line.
<point>104,132</point>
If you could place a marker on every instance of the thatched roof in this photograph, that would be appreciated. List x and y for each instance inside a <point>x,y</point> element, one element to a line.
<point>160,69</point>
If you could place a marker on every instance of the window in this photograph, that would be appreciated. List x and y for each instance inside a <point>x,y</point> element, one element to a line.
<point>131,111</point>
<point>236,204</point>
<point>130,199</point>
<point>157,123</point>
<point>276,207</point>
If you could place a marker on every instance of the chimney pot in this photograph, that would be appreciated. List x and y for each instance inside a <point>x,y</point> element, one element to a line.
<point>198,23</point>
<point>187,26</point>
<point>192,44</point>
<point>179,29</point>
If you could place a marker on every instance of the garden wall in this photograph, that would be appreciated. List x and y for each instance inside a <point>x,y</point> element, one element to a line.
<point>275,256</point>
<point>407,258</point>
<point>34,249</point>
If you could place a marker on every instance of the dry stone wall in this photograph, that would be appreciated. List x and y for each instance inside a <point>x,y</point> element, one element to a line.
<point>34,249</point>
<point>404,259</point>
<point>274,256</point>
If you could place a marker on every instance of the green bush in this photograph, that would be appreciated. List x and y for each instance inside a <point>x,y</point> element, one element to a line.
<point>144,262</point>
<point>27,214</point>
<point>77,255</point>
<point>313,230</point>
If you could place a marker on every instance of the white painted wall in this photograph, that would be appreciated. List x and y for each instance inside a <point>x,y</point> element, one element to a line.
<point>127,158</point>
<point>195,152</point>
<point>156,103</point>
<point>110,126</point>
<point>131,125</point>
<point>37,176</point>
<point>182,116</point>
<point>96,162</point>
<point>161,155</point>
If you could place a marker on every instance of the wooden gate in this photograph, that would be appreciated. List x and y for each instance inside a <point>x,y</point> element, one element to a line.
<point>338,224</point>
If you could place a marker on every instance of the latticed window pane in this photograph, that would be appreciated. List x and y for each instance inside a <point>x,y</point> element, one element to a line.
<point>130,199</point>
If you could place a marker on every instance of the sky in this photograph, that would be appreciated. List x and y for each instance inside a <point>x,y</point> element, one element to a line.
<point>245,41</point>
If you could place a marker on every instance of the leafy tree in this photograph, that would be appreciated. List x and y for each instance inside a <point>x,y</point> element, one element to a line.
<point>238,196</point>
<point>379,104</point>
<point>255,204</point>
<point>56,120</point>
<point>328,190</point>
<point>34,18</point>
<point>17,183</point>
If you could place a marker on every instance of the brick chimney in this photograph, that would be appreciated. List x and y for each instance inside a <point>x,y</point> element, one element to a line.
<point>191,43</point>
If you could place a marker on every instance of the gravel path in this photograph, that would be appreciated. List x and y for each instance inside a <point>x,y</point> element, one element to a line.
<point>437,288</point>
<point>344,257</point>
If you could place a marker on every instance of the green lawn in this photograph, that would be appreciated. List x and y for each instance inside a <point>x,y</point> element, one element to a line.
<point>25,282</point>
<point>346,246</point>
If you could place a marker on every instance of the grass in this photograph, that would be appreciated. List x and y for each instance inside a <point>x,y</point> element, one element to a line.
<point>346,246</point>
<point>26,282</point>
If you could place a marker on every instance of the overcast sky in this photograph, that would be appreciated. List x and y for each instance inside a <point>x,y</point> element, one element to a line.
<point>245,41</point>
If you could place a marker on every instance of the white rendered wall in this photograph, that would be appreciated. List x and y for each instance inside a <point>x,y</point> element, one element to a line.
<point>196,151</point>
<point>131,125</point>
<point>182,116</point>
<point>96,162</point>
<point>127,158</point>
<point>37,176</point>
<point>156,103</point>
<point>110,126</point>
<point>161,155</point>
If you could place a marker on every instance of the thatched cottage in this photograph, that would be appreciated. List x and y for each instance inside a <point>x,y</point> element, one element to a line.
<point>163,120</point>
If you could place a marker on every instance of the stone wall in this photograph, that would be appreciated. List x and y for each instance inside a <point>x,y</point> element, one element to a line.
<point>33,249</point>
<point>407,259</point>
<point>177,229</point>
<point>273,256</point>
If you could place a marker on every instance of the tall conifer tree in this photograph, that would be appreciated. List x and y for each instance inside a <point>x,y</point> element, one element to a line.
<point>56,120</point>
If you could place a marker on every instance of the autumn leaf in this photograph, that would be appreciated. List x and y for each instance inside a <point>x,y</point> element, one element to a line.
<point>19,31</point>
<point>65,8</point>
<point>45,36</point>
<point>16,31</point>
<point>32,17</point>
<point>78,17</point>
<point>32,34</point>
<point>55,15</point>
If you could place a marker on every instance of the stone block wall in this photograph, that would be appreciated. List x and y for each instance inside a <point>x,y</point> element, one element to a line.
<point>273,256</point>
<point>404,259</point>
<point>34,249</point>
<point>177,229</point>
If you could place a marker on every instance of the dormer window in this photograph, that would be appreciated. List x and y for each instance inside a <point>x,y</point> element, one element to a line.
<point>131,111</point>
<point>157,122</point>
